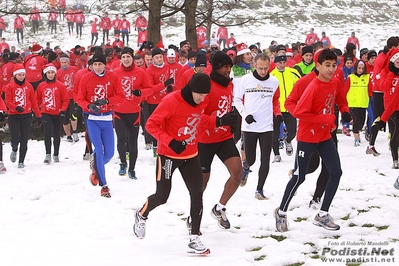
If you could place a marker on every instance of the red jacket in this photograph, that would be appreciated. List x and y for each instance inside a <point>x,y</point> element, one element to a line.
<point>52,97</point>
<point>7,73</point>
<point>220,103</point>
<point>93,87</point>
<point>67,78</point>
<point>175,119</point>
<point>116,24</point>
<point>19,23</point>
<point>141,22</point>
<point>391,95</point>
<point>315,110</point>
<point>157,77</point>
<point>76,81</point>
<point>222,33</point>
<point>132,79</point>
<point>79,18</point>
<point>53,16</point>
<point>125,25</point>
<point>354,40</point>
<point>69,15</point>
<point>311,38</point>
<point>34,14</point>
<point>33,65</point>
<point>105,23</point>
<point>23,96</point>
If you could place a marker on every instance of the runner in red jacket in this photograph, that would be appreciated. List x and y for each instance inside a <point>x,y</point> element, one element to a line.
<point>34,63</point>
<point>52,98</point>
<point>135,84</point>
<point>175,124</point>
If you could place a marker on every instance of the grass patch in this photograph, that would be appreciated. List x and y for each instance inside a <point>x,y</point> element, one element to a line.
<point>315,257</point>
<point>279,238</point>
<point>362,211</point>
<point>310,244</point>
<point>260,237</point>
<point>237,227</point>
<point>260,258</point>
<point>368,225</point>
<point>352,225</point>
<point>346,217</point>
<point>375,207</point>
<point>180,214</point>
<point>336,236</point>
<point>300,219</point>
<point>380,228</point>
<point>299,263</point>
<point>255,249</point>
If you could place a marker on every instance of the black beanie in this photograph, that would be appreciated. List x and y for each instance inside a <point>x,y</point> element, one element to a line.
<point>307,49</point>
<point>13,56</point>
<point>156,51</point>
<point>200,83</point>
<point>220,59</point>
<point>363,51</point>
<point>281,47</point>
<point>280,58</point>
<point>51,56</point>
<point>127,50</point>
<point>201,61</point>
<point>371,54</point>
<point>98,57</point>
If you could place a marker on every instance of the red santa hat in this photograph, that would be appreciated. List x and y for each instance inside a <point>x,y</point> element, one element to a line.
<point>48,67</point>
<point>289,52</point>
<point>36,48</point>
<point>316,55</point>
<point>393,55</point>
<point>242,48</point>
<point>116,36</point>
<point>19,68</point>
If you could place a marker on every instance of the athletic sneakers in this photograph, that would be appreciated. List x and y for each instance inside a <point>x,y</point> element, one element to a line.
<point>373,151</point>
<point>132,174</point>
<point>148,146</point>
<point>315,204</point>
<point>105,192</point>
<point>345,130</point>
<point>21,165</point>
<point>197,247</point>
<point>327,222</point>
<point>259,195</point>
<point>139,225</point>
<point>56,158</point>
<point>69,139</point>
<point>281,221</point>
<point>122,169</point>
<point>223,222</point>
<point>2,168</point>
<point>93,176</point>
<point>47,159</point>
<point>277,159</point>
<point>357,143</point>
<point>86,157</point>
<point>13,156</point>
<point>395,165</point>
<point>75,137</point>
<point>288,148</point>
<point>244,177</point>
<point>367,135</point>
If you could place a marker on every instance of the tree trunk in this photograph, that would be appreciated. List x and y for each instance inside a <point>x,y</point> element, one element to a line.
<point>191,35</point>
<point>154,20</point>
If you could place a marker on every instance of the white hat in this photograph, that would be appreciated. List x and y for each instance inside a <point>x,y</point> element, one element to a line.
<point>171,53</point>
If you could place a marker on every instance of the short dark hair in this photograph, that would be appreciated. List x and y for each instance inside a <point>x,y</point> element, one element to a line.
<point>327,54</point>
<point>392,42</point>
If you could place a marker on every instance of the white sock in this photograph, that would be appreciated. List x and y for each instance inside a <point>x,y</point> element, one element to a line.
<point>281,213</point>
<point>219,206</point>
<point>322,213</point>
<point>193,237</point>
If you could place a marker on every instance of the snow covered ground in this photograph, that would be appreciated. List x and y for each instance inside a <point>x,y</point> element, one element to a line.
<point>52,215</point>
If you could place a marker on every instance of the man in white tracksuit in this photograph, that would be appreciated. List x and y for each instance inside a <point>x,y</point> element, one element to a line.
<point>261,93</point>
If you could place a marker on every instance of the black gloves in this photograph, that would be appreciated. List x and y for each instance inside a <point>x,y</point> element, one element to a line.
<point>280,119</point>
<point>62,114</point>
<point>346,117</point>
<point>177,146</point>
<point>94,108</point>
<point>143,45</point>
<point>136,92</point>
<point>250,119</point>
<point>169,82</point>
<point>228,119</point>
<point>2,117</point>
<point>19,109</point>
<point>169,88</point>
<point>75,110</point>
<point>101,102</point>
<point>379,123</point>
